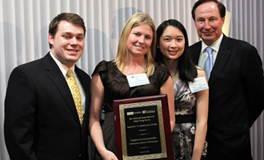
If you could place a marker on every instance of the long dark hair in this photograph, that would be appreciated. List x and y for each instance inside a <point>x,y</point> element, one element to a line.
<point>187,69</point>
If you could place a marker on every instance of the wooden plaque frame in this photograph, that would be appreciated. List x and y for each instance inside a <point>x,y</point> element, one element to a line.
<point>142,128</point>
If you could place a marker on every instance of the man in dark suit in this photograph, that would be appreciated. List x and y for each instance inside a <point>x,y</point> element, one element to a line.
<point>235,84</point>
<point>41,119</point>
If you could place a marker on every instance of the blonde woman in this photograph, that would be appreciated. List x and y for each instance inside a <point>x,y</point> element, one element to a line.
<point>136,50</point>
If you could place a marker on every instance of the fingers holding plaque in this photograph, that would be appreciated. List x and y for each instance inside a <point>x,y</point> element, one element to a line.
<point>142,128</point>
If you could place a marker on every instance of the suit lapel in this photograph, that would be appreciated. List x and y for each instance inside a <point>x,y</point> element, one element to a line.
<point>54,73</point>
<point>222,57</point>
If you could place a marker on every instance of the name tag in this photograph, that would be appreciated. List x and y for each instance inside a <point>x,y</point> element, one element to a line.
<point>137,80</point>
<point>198,84</point>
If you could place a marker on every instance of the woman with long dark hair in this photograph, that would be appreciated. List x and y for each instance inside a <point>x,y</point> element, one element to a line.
<point>191,108</point>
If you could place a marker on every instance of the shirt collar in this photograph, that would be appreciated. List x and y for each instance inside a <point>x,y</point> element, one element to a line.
<point>215,46</point>
<point>62,67</point>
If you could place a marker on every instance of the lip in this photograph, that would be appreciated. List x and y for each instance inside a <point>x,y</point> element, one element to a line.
<point>173,52</point>
<point>207,33</point>
<point>72,50</point>
<point>140,47</point>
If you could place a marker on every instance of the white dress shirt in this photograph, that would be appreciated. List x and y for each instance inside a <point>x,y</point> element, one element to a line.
<point>203,56</point>
<point>64,71</point>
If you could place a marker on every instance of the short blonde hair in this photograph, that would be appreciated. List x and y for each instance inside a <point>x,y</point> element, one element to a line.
<point>122,52</point>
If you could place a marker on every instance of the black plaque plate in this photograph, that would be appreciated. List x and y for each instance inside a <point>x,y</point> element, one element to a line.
<point>142,128</point>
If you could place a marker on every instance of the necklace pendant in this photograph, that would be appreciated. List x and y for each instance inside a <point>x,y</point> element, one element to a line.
<point>174,73</point>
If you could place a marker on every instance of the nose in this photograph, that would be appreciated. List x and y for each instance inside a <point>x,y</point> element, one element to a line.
<point>141,39</point>
<point>173,44</point>
<point>207,25</point>
<point>73,41</point>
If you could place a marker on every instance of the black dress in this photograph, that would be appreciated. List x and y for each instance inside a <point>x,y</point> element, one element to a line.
<point>183,134</point>
<point>116,87</point>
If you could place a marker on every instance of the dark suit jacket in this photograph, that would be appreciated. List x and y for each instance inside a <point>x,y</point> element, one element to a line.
<point>236,98</point>
<point>41,121</point>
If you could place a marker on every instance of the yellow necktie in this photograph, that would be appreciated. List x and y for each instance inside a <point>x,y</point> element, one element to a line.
<point>75,93</point>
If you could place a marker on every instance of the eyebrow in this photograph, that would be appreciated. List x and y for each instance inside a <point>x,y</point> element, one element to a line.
<point>171,36</point>
<point>72,33</point>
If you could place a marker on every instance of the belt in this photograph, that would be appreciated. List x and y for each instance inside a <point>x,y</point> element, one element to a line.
<point>185,118</point>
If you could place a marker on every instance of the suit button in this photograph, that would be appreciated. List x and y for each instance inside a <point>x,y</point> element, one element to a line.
<point>80,155</point>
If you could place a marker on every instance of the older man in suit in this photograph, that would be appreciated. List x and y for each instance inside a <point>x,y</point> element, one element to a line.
<point>46,108</point>
<point>235,74</point>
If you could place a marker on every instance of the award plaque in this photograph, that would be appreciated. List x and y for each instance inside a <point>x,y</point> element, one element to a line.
<point>142,128</point>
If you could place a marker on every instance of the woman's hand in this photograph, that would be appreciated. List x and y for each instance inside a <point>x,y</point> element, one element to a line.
<point>108,155</point>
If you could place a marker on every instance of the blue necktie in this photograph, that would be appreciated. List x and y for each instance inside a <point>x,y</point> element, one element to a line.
<point>209,62</point>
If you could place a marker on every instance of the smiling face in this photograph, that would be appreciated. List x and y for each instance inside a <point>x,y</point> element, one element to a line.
<point>139,40</point>
<point>172,43</point>
<point>68,43</point>
<point>208,22</point>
